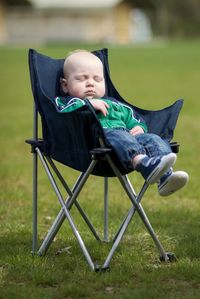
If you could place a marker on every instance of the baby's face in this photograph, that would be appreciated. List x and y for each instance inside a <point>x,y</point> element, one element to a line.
<point>84,76</point>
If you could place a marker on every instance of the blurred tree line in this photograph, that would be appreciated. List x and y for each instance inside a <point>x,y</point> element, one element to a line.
<point>16,2</point>
<point>172,18</point>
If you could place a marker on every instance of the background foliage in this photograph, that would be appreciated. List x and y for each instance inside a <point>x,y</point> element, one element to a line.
<point>172,18</point>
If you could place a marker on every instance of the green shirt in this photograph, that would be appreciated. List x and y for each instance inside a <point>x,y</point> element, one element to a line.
<point>119,115</point>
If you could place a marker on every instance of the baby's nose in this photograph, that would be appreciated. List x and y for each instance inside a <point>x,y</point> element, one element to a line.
<point>90,82</point>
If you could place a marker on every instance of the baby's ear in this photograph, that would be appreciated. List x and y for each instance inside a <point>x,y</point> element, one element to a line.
<point>63,84</point>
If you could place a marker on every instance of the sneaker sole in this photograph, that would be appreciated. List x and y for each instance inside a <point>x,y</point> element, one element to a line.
<point>165,164</point>
<point>175,182</point>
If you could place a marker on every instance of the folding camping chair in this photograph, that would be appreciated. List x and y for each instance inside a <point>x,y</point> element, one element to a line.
<point>84,148</point>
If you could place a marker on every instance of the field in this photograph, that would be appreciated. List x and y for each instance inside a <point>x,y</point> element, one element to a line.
<point>151,77</point>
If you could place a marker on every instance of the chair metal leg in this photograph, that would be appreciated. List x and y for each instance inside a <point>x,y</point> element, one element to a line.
<point>133,191</point>
<point>126,221</point>
<point>145,219</point>
<point>70,193</point>
<point>87,221</point>
<point>118,238</point>
<point>151,231</point>
<point>59,176</point>
<point>35,199</point>
<point>136,207</point>
<point>71,201</point>
<point>35,180</point>
<point>68,204</point>
<point>105,209</point>
<point>61,215</point>
<point>51,233</point>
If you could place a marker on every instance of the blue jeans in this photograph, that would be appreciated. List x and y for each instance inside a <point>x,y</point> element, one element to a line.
<point>127,146</point>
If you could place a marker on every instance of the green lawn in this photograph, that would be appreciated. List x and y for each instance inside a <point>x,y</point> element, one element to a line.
<point>150,77</point>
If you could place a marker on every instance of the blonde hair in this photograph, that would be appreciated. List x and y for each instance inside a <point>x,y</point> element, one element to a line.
<point>77,51</point>
<point>70,54</point>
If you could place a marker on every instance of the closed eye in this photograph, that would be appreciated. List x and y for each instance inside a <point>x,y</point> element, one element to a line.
<point>81,78</point>
<point>98,78</point>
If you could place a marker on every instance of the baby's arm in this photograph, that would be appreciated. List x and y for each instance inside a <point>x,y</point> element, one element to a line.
<point>100,105</point>
<point>136,130</point>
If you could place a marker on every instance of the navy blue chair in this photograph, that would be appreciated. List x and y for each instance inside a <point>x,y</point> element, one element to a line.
<point>76,139</point>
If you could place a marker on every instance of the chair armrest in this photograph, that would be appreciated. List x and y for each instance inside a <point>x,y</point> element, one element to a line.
<point>175,147</point>
<point>35,143</point>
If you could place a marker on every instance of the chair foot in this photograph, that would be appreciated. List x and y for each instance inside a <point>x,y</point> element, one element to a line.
<point>101,269</point>
<point>97,268</point>
<point>33,253</point>
<point>102,241</point>
<point>168,257</point>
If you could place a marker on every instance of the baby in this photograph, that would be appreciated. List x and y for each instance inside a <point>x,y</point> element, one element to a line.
<point>137,149</point>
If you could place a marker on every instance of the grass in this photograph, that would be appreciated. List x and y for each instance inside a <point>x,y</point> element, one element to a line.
<point>150,77</point>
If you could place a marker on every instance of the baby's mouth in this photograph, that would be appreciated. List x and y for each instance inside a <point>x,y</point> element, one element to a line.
<point>90,93</point>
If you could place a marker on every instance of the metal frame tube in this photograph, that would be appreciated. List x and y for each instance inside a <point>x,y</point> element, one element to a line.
<point>70,193</point>
<point>35,183</point>
<point>57,172</point>
<point>136,207</point>
<point>105,209</point>
<point>35,203</point>
<point>56,224</point>
<point>71,201</point>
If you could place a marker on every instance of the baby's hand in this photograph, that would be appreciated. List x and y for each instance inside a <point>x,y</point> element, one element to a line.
<point>100,105</point>
<point>136,130</point>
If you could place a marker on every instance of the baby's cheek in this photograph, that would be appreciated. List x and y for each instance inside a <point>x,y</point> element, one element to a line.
<point>78,92</point>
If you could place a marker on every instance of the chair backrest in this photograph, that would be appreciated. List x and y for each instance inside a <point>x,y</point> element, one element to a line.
<point>69,137</point>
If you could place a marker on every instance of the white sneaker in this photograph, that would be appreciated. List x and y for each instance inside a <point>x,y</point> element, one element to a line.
<point>171,182</point>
